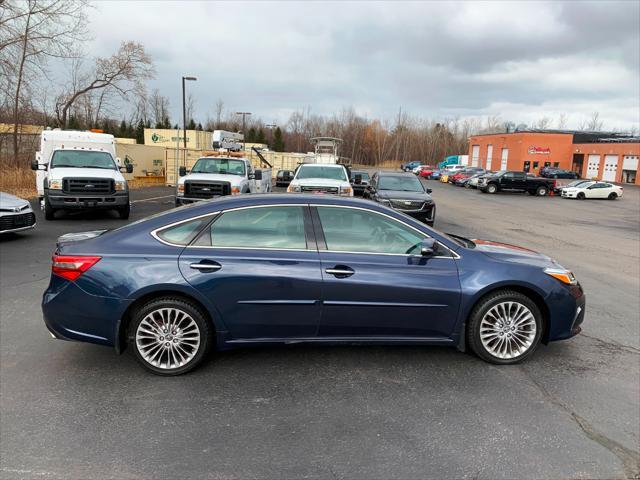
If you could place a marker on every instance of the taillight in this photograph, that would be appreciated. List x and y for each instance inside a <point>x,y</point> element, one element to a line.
<point>71,267</point>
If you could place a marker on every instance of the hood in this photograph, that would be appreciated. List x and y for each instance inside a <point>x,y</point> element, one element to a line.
<point>60,173</point>
<point>213,177</point>
<point>402,195</point>
<point>11,201</point>
<point>320,182</point>
<point>513,253</point>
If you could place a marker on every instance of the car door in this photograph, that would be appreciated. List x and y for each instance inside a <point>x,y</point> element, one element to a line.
<point>374,283</point>
<point>601,190</point>
<point>260,268</point>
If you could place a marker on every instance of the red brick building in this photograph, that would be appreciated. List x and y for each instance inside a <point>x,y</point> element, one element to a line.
<point>612,157</point>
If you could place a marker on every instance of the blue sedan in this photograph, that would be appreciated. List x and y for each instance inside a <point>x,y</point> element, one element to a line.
<point>274,269</point>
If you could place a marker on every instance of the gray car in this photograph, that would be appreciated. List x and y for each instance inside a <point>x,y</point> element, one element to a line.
<point>16,214</point>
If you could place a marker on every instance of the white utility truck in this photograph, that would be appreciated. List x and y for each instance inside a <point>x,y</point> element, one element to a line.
<point>80,170</point>
<point>329,178</point>
<point>217,174</point>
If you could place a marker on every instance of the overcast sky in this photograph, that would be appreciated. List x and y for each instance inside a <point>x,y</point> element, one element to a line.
<point>520,60</point>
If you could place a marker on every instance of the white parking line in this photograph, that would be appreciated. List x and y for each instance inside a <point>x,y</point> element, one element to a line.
<point>152,198</point>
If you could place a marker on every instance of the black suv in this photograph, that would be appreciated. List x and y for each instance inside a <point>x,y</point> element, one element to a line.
<point>403,192</point>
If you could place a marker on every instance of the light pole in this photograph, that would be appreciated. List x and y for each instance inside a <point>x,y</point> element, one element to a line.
<point>184,117</point>
<point>271,126</point>
<point>244,139</point>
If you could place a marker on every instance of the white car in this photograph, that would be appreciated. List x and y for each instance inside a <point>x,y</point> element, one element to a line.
<point>589,189</point>
<point>16,214</point>
<point>321,178</point>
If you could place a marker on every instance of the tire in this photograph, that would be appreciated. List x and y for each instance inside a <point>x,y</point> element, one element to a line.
<point>491,188</point>
<point>580,196</point>
<point>49,211</point>
<point>146,339</point>
<point>542,191</point>
<point>485,317</point>
<point>124,212</point>
<point>613,196</point>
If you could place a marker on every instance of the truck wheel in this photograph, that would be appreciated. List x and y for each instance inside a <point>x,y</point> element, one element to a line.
<point>491,188</point>
<point>542,191</point>
<point>49,211</point>
<point>124,212</point>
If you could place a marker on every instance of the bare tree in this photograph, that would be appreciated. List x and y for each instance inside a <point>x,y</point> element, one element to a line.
<point>219,111</point>
<point>159,106</point>
<point>126,71</point>
<point>542,123</point>
<point>32,31</point>
<point>563,119</point>
<point>594,123</point>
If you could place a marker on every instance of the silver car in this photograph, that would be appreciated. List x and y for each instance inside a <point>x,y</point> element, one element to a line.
<point>16,214</point>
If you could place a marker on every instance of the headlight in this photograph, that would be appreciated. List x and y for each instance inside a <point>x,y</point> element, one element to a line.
<point>293,189</point>
<point>235,190</point>
<point>346,191</point>
<point>120,185</point>
<point>562,274</point>
<point>55,184</point>
<point>180,190</point>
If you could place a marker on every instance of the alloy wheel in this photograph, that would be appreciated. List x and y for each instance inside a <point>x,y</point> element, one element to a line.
<point>508,330</point>
<point>168,338</point>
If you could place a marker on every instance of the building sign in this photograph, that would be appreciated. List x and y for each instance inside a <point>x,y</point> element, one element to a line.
<point>539,150</point>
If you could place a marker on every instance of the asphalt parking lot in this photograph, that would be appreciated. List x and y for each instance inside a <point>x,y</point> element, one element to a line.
<point>73,410</point>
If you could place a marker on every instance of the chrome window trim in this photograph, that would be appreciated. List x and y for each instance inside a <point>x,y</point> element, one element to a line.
<point>454,256</point>
<point>154,232</point>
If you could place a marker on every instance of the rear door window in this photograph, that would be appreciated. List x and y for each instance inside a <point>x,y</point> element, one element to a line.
<point>183,233</point>
<point>278,227</point>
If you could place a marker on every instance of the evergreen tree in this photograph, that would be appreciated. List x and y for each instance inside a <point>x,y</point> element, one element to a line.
<point>191,125</point>
<point>139,133</point>
<point>251,135</point>
<point>260,137</point>
<point>73,123</point>
<point>167,123</point>
<point>199,127</point>
<point>123,128</point>
<point>175,127</point>
<point>278,141</point>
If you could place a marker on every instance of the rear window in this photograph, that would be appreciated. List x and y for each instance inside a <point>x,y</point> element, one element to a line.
<point>183,233</point>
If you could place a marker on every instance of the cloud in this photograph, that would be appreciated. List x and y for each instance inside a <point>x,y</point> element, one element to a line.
<point>434,59</point>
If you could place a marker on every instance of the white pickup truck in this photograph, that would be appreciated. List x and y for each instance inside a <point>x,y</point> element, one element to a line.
<point>79,170</point>
<point>321,178</point>
<point>217,176</point>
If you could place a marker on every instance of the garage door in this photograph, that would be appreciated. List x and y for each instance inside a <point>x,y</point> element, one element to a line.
<point>475,153</point>
<point>489,155</point>
<point>610,168</point>
<point>593,167</point>
<point>630,162</point>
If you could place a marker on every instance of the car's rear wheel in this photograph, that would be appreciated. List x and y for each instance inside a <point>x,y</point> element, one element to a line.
<point>504,327</point>
<point>613,196</point>
<point>542,191</point>
<point>580,196</point>
<point>170,336</point>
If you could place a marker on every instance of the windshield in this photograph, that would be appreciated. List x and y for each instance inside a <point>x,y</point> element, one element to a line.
<point>401,183</point>
<point>219,165</point>
<point>363,175</point>
<point>82,159</point>
<point>318,171</point>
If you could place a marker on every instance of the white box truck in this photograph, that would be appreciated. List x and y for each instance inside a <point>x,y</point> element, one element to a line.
<point>80,170</point>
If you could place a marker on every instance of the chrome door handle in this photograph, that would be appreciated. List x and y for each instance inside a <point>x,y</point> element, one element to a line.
<point>340,271</point>
<point>206,266</point>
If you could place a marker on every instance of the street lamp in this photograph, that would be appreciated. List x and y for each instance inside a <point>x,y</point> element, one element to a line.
<point>184,116</point>
<point>271,126</point>
<point>244,139</point>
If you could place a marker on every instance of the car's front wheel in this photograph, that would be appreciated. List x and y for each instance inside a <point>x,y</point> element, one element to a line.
<point>491,188</point>
<point>505,327</point>
<point>170,336</point>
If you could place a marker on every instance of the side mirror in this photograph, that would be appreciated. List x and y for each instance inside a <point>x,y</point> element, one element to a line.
<point>429,190</point>
<point>428,247</point>
<point>129,168</point>
<point>35,165</point>
<point>182,171</point>
<point>257,175</point>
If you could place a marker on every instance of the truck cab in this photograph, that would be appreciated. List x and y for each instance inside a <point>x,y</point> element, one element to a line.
<point>215,176</point>
<point>80,170</point>
<point>320,178</point>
